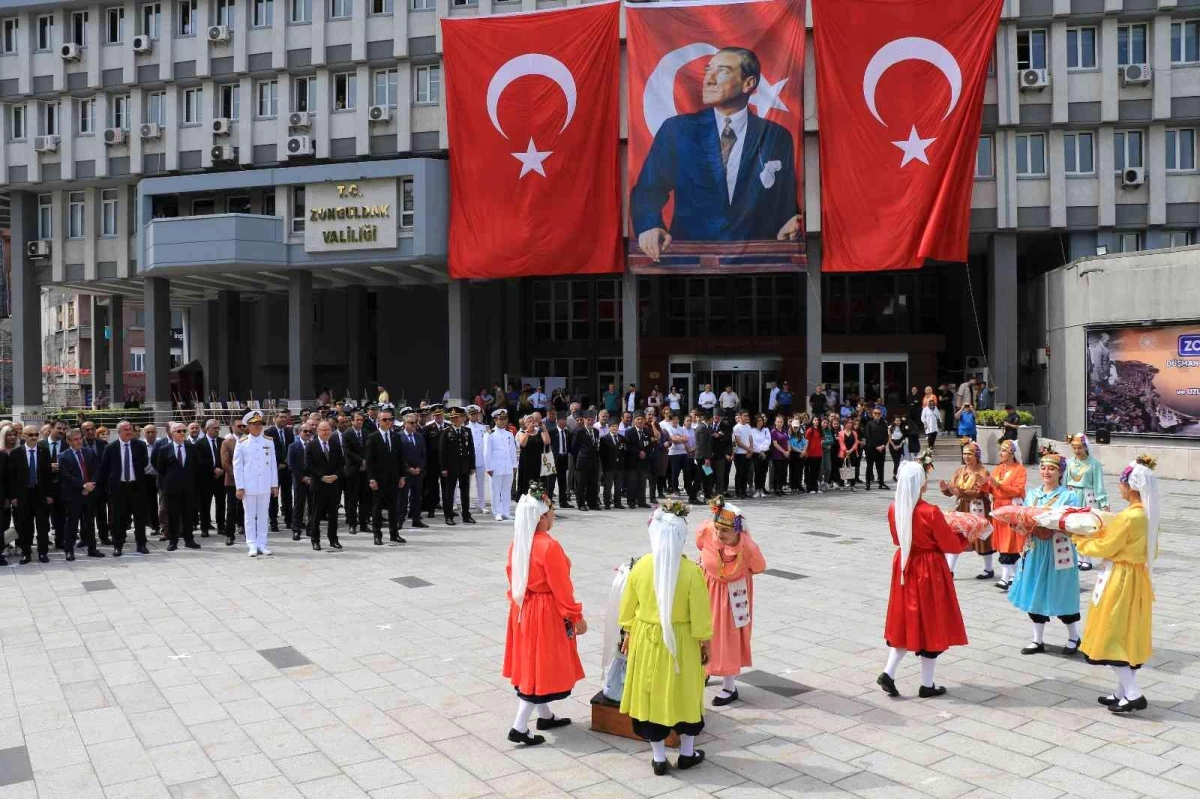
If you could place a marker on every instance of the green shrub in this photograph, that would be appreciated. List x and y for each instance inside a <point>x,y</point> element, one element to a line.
<point>996,418</point>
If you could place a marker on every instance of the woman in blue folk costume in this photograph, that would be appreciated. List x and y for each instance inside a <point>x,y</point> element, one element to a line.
<point>1047,581</point>
<point>1085,478</point>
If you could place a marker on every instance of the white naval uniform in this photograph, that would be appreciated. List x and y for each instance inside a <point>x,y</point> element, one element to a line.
<point>255,472</point>
<point>500,458</point>
<point>479,432</point>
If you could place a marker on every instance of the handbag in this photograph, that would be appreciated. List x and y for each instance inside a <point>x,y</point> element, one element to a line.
<point>614,679</point>
<point>548,467</point>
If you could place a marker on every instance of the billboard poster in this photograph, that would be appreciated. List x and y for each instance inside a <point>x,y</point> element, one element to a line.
<point>716,124</point>
<point>1144,380</point>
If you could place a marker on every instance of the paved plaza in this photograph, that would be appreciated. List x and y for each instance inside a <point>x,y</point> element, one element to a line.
<point>376,672</point>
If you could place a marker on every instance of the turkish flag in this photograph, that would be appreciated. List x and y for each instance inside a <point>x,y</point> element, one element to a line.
<point>899,98</point>
<point>532,113</point>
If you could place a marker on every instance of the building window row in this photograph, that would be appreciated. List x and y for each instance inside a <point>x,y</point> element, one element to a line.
<point>1132,45</point>
<point>77,214</point>
<point>1079,152</point>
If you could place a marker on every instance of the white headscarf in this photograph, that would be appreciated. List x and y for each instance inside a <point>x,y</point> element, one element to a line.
<point>1143,481</point>
<point>530,511</point>
<point>668,533</point>
<point>909,481</point>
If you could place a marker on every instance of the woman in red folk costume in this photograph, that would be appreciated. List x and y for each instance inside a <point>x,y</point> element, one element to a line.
<point>923,614</point>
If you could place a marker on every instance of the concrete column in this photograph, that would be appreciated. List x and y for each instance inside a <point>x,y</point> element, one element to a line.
<point>300,346</point>
<point>357,331</point>
<point>228,322</point>
<point>389,334</point>
<point>459,344</point>
<point>630,365</point>
<point>158,345</point>
<point>1002,316</point>
<point>812,318</point>
<point>116,350</point>
<point>99,351</point>
<point>514,342</point>
<point>26,312</point>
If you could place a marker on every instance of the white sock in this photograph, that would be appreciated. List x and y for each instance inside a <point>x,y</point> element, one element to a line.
<point>893,662</point>
<point>524,710</point>
<point>1073,631</point>
<point>927,665</point>
<point>659,748</point>
<point>1006,571</point>
<point>729,684</point>
<point>1120,692</point>
<point>1039,632</point>
<point>987,562</point>
<point>687,745</point>
<point>1129,684</point>
<point>544,711</point>
<point>951,561</point>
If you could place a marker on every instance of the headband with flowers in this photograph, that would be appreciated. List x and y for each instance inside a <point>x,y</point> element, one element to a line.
<point>1141,460</point>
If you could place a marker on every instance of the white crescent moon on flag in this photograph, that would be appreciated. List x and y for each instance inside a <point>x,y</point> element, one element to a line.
<point>658,99</point>
<point>531,64</point>
<point>911,48</point>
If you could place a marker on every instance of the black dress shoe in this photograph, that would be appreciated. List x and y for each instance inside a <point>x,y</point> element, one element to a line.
<point>364,529</point>
<point>379,540</point>
<point>887,684</point>
<point>552,723</point>
<point>25,560</point>
<point>204,533</point>
<point>354,530</point>
<point>1034,649</point>
<point>420,524</point>
<point>583,508</point>
<point>3,561</point>
<point>660,767</point>
<point>1108,701</point>
<point>1071,648</point>
<point>141,550</point>
<point>985,575</point>
<point>450,522</point>
<point>619,506</point>
<point>685,762</point>
<point>722,701</point>
<point>106,540</point>
<point>43,558</point>
<point>334,545</point>
<point>1084,566</point>
<point>1128,706</point>
<point>173,547</point>
<point>394,538</point>
<point>70,554</point>
<point>565,505</point>
<point>525,738</point>
<point>274,527</point>
<point>401,540</point>
<point>936,690</point>
<point>228,540</point>
<point>116,552</point>
<point>295,536</point>
<point>316,546</point>
<point>94,553</point>
<point>468,518</point>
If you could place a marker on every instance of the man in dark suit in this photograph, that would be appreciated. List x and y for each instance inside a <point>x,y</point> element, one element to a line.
<point>77,476</point>
<point>414,459</point>
<point>176,464</point>
<point>731,172</point>
<point>722,450</point>
<point>301,484</point>
<point>212,478</point>
<point>92,442</point>
<point>431,489</point>
<point>154,442</point>
<point>612,462</point>
<point>637,463</point>
<point>28,480</point>
<point>561,447</point>
<point>383,474</point>
<point>366,497</point>
<point>585,456</point>
<point>456,456</point>
<point>351,443</point>
<point>705,469</point>
<point>56,444</point>
<point>283,435</point>
<point>325,466</point>
<point>121,467</point>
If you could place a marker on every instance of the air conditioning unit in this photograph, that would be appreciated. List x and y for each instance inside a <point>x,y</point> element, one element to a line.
<point>218,34</point>
<point>142,44</point>
<point>976,363</point>
<point>114,136</point>
<point>300,119</point>
<point>1033,79</point>
<point>298,147</point>
<point>38,249</point>
<point>69,51</point>
<point>380,113</point>
<point>223,152</point>
<point>46,144</point>
<point>221,126</point>
<point>150,130</point>
<point>1135,74</point>
<point>1133,176</point>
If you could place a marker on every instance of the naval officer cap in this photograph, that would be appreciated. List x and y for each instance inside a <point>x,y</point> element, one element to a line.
<point>436,407</point>
<point>455,411</point>
<point>253,417</point>
<point>386,406</point>
<point>473,409</point>
<point>499,412</point>
<point>405,411</point>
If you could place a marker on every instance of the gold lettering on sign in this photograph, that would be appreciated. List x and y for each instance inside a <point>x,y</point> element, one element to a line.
<point>363,234</point>
<point>340,212</point>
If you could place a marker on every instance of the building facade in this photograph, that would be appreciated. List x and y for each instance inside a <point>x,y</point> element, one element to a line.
<point>182,156</point>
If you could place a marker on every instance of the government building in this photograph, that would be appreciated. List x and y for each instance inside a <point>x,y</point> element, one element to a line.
<point>272,176</point>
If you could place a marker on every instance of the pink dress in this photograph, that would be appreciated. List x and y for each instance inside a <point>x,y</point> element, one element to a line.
<point>723,565</point>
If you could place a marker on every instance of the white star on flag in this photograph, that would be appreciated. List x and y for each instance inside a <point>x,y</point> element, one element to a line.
<point>531,160</point>
<point>767,96</point>
<point>914,148</point>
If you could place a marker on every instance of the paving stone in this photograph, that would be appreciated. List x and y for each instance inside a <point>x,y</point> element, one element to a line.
<point>284,657</point>
<point>15,766</point>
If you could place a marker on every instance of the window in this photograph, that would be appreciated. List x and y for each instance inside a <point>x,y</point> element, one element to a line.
<point>345,91</point>
<point>239,204</point>
<point>1079,154</point>
<point>16,122</point>
<point>225,12</point>
<point>428,84</point>
<point>1130,242</point>
<point>298,212</point>
<point>137,359</point>
<point>268,99</point>
<point>304,94</point>
<point>203,206</point>
<point>8,36</point>
<point>108,213</point>
<point>85,113</point>
<point>422,5</point>
<point>1127,149</point>
<point>1031,154</point>
<point>1031,49</point>
<point>264,13</point>
<point>45,227</point>
<point>156,107</point>
<point>187,18</point>
<point>381,6</point>
<point>151,16</point>
<point>1185,42</point>
<point>230,101</point>
<point>118,111</point>
<point>75,215</point>
<point>1179,238</point>
<point>385,87</point>
<point>45,32</point>
<point>300,10</point>
<point>49,114</point>
<point>78,30</point>
<point>1131,44</point>
<point>339,9</point>
<point>1181,149</point>
<point>464,3</point>
<point>561,310</point>
<point>114,25</point>
<point>407,204</point>
<point>985,165</point>
<point>1081,48</point>
<point>193,100</point>
<point>269,203</point>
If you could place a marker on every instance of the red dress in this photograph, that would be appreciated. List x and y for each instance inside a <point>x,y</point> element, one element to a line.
<point>923,614</point>
<point>539,658</point>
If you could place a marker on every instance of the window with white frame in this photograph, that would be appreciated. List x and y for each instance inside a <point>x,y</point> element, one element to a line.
<point>1031,154</point>
<point>385,87</point>
<point>1127,149</point>
<point>193,104</point>
<point>75,215</point>
<point>1031,49</point>
<point>118,111</point>
<point>49,118</point>
<point>85,115</point>
<point>225,13</point>
<point>78,29</point>
<point>137,359</point>
<point>1129,242</point>
<point>230,101</point>
<point>1179,238</point>
<point>187,18</point>
<point>151,19</point>
<point>427,84</point>
<point>45,226</point>
<point>108,213</point>
<point>301,10</point>
<point>1181,149</point>
<point>1185,42</point>
<point>1079,154</point>
<point>264,13</point>
<point>267,93</point>
<point>422,5</point>
<point>1131,44</point>
<point>1081,48</point>
<point>407,204</point>
<point>156,108</point>
<point>9,35</point>
<point>381,6</point>
<point>345,91</point>
<point>114,25</point>
<point>16,122</point>
<point>985,162</point>
<point>339,9</point>
<point>45,32</point>
<point>464,3</point>
<point>304,94</point>
<point>298,212</point>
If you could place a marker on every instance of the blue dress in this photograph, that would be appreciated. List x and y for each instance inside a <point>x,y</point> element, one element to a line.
<point>1039,588</point>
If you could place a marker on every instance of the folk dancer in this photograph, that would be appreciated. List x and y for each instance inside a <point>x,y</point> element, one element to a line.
<point>970,485</point>
<point>1085,479</point>
<point>1007,484</point>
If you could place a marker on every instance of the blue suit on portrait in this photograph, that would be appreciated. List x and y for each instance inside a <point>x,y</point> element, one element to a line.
<point>685,159</point>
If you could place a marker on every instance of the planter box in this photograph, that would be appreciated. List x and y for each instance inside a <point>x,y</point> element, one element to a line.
<point>989,442</point>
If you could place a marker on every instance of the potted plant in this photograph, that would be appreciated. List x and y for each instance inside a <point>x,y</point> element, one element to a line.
<point>990,431</point>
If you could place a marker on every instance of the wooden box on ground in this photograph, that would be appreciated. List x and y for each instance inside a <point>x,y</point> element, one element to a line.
<point>608,718</point>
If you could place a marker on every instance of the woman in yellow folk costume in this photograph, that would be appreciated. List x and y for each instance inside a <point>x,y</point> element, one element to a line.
<point>1119,622</point>
<point>971,486</point>
<point>665,609</point>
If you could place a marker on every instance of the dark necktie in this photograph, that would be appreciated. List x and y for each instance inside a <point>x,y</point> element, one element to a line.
<point>212,444</point>
<point>126,464</point>
<point>325,448</point>
<point>179,453</point>
<point>387,441</point>
<point>728,139</point>
<point>82,466</point>
<point>32,468</point>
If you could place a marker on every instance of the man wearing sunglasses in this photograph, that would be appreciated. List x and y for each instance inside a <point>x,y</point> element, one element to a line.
<point>30,489</point>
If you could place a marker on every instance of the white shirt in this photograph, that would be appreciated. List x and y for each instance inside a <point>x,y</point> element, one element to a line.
<point>254,467</point>
<point>670,430</point>
<point>774,397</point>
<point>739,122</point>
<point>500,451</point>
<point>629,402</point>
<point>538,400</point>
<point>708,400</point>
<point>742,439</point>
<point>729,400</point>
<point>761,439</point>
<point>673,399</point>
<point>931,419</point>
<point>479,433</point>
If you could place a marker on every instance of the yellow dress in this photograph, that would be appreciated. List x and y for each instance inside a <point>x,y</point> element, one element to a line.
<point>1119,620</point>
<point>654,691</point>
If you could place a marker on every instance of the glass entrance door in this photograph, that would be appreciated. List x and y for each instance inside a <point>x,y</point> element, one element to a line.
<point>750,379</point>
<point>867,377</point>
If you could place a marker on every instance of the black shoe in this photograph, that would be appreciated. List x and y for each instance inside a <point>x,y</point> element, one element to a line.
<point>468,518</point>
<point>685,762</point>
<point>43,558</point>
<point>394,538</point>
<point>94,553</point>
<point>887,684</point>
<point>552,723</point>
<point>936,690</point>
<point>334,545</point>
<point>868,486</point>
<point>525,738</point>
<point>116,552</point>
<point>295,536</point>
<point>450,522</point>
<point>192,545</point>
<point>400,540</point>
<point>1128,706</point>
<point>364,529</point>
<point>71,554</point>
<point>722,701</point>
<point>25,560</point>
<point>316,546</point>
<point>985,575</point>
<point>1084,566</point>
<point>204,533</point>
<point>172,547</point>
<point>420,525</point>
<point>106,540</point>
<point>3,561</point>
<point>379,540</point>
<point>274,527</point>
<point>1072,647</point>
<point>619,506</point>
<point>1034,649</point>
<point>141,550</point>
<point>353,529</point>
<point>583,508</point>
<point>660,767</point>
<point>884,487</point>
<point>1108,701</point>
<point>228,540</point>
<point>566,505</point>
